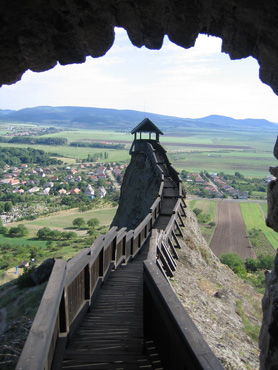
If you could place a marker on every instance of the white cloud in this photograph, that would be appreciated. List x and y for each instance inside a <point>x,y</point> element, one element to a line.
<point>189,83</point>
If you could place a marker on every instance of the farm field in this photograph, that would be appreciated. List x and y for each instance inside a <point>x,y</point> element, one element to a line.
<point>253,217</point>
<point>212,150</point>
<point>210,208</point>
<point>76,153</point>
<point>63,220</point>
<point>230,233</point>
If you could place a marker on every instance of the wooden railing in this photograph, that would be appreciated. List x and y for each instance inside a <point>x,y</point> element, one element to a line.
<point>72,287</point>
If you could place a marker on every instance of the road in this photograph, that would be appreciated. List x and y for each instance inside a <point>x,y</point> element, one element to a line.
<point>114,181</point>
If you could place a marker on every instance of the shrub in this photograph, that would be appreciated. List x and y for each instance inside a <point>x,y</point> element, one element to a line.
<point>25,279</point>
<point>235,262</point>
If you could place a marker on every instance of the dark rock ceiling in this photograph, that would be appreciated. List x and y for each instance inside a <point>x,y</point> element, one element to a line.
<point>36,34</point>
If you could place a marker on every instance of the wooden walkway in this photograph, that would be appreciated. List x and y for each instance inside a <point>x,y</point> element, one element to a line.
<point>111,334</point>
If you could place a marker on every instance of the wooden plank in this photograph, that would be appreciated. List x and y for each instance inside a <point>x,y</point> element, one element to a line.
<point>36,349</point>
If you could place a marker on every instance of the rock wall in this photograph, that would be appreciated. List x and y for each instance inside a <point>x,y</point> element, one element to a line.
<point>217,300</point>
<point>138,192</point>
<point>36,34</point>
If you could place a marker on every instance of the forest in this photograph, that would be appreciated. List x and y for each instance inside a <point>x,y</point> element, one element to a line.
<point>34,140</point>
<point>18,156</point>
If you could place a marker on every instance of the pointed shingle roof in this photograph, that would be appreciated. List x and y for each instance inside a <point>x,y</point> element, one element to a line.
<point>146,126</point>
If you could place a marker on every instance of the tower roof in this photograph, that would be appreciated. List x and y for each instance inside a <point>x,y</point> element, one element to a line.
<point>146,126</point>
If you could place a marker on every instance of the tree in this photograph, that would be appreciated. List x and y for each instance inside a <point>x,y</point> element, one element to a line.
<point>44,233</point>
<point>78,222</point>
<point>235,262</point>
<point>18,231</point>
<point>3,230</point>
<point>8,207</point>
<point>212,224</point>
<point>93,222</point>
<point>265,262</point>
<point>251,264</point>
<point>197,211</point>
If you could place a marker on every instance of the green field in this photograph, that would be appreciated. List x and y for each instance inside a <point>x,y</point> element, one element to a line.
<point>207,207</point>
<point>22,241</point>
<point>74,153</point>
<point>191,151</point>
<point>253,218</point>
<point>63,219</point>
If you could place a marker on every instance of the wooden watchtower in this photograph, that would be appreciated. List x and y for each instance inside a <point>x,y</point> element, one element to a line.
<point>148,127</point>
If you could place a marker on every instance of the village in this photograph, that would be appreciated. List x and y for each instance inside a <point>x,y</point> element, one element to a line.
<point>29,191</point>
<point>220,185</point>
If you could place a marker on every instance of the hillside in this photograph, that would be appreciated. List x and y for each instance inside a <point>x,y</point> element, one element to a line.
<point>95,118</point>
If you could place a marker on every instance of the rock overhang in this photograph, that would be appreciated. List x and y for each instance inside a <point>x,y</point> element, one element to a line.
<point>36,35</point>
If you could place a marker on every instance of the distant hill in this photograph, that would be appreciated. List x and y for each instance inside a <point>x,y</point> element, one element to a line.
<point>95,118</point>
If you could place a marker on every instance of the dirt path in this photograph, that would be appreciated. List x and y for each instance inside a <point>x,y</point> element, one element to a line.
<point>230,234</point>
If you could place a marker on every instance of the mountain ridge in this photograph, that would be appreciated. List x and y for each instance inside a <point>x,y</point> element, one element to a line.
<point>107,118</point>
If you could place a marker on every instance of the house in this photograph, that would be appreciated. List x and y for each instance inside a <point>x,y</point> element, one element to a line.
<point>74,191</point>
<point>24,165</point>
<point>32,172</point>
<point>49,184</point>
<point>78,178</point>
<point>33,190</point>
<point>54,178</point>
<point>14,182</point>
<point>23,264</point>
<point>101,176</point>
<point>94,178</point>
<point>102,192</point>
<point>68,178</point>
<point>62,191</point>
<point>89,191</point>
<point>45,191</point>
<point>100,171</point>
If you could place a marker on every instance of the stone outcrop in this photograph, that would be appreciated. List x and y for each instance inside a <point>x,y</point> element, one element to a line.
<point>36,34</point>
<point>217,300</point>
<point>138,192</point>
<point>269,330</point>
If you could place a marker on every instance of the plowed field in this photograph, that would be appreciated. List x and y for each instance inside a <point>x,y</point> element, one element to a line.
<point>230,234</point>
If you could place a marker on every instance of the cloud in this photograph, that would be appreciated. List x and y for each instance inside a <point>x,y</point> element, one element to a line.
<point>174,81</point>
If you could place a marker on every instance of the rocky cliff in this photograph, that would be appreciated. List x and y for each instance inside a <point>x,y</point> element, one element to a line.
<point>138,192</point>
<point>217,300</point>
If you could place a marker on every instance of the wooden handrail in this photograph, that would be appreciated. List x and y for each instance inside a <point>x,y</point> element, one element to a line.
<point>44,332</point>
<point>86,271</point>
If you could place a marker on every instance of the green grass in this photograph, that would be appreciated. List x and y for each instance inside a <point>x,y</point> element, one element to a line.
<point>76,152</point>
<point>21,241</point>
<point>207,233</point>
<point>207,206</point>
<point>253,165</point>
<point>253,331</point>
<point>63,219</point>
<point>192,203</point>
<point>252,162</point>
<point>253,219</point>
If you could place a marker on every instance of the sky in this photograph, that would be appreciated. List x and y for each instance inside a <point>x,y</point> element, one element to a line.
<point>189,83</point>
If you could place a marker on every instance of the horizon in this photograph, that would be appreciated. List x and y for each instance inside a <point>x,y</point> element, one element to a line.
<point>186,83</point>
<point>132,110</point>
